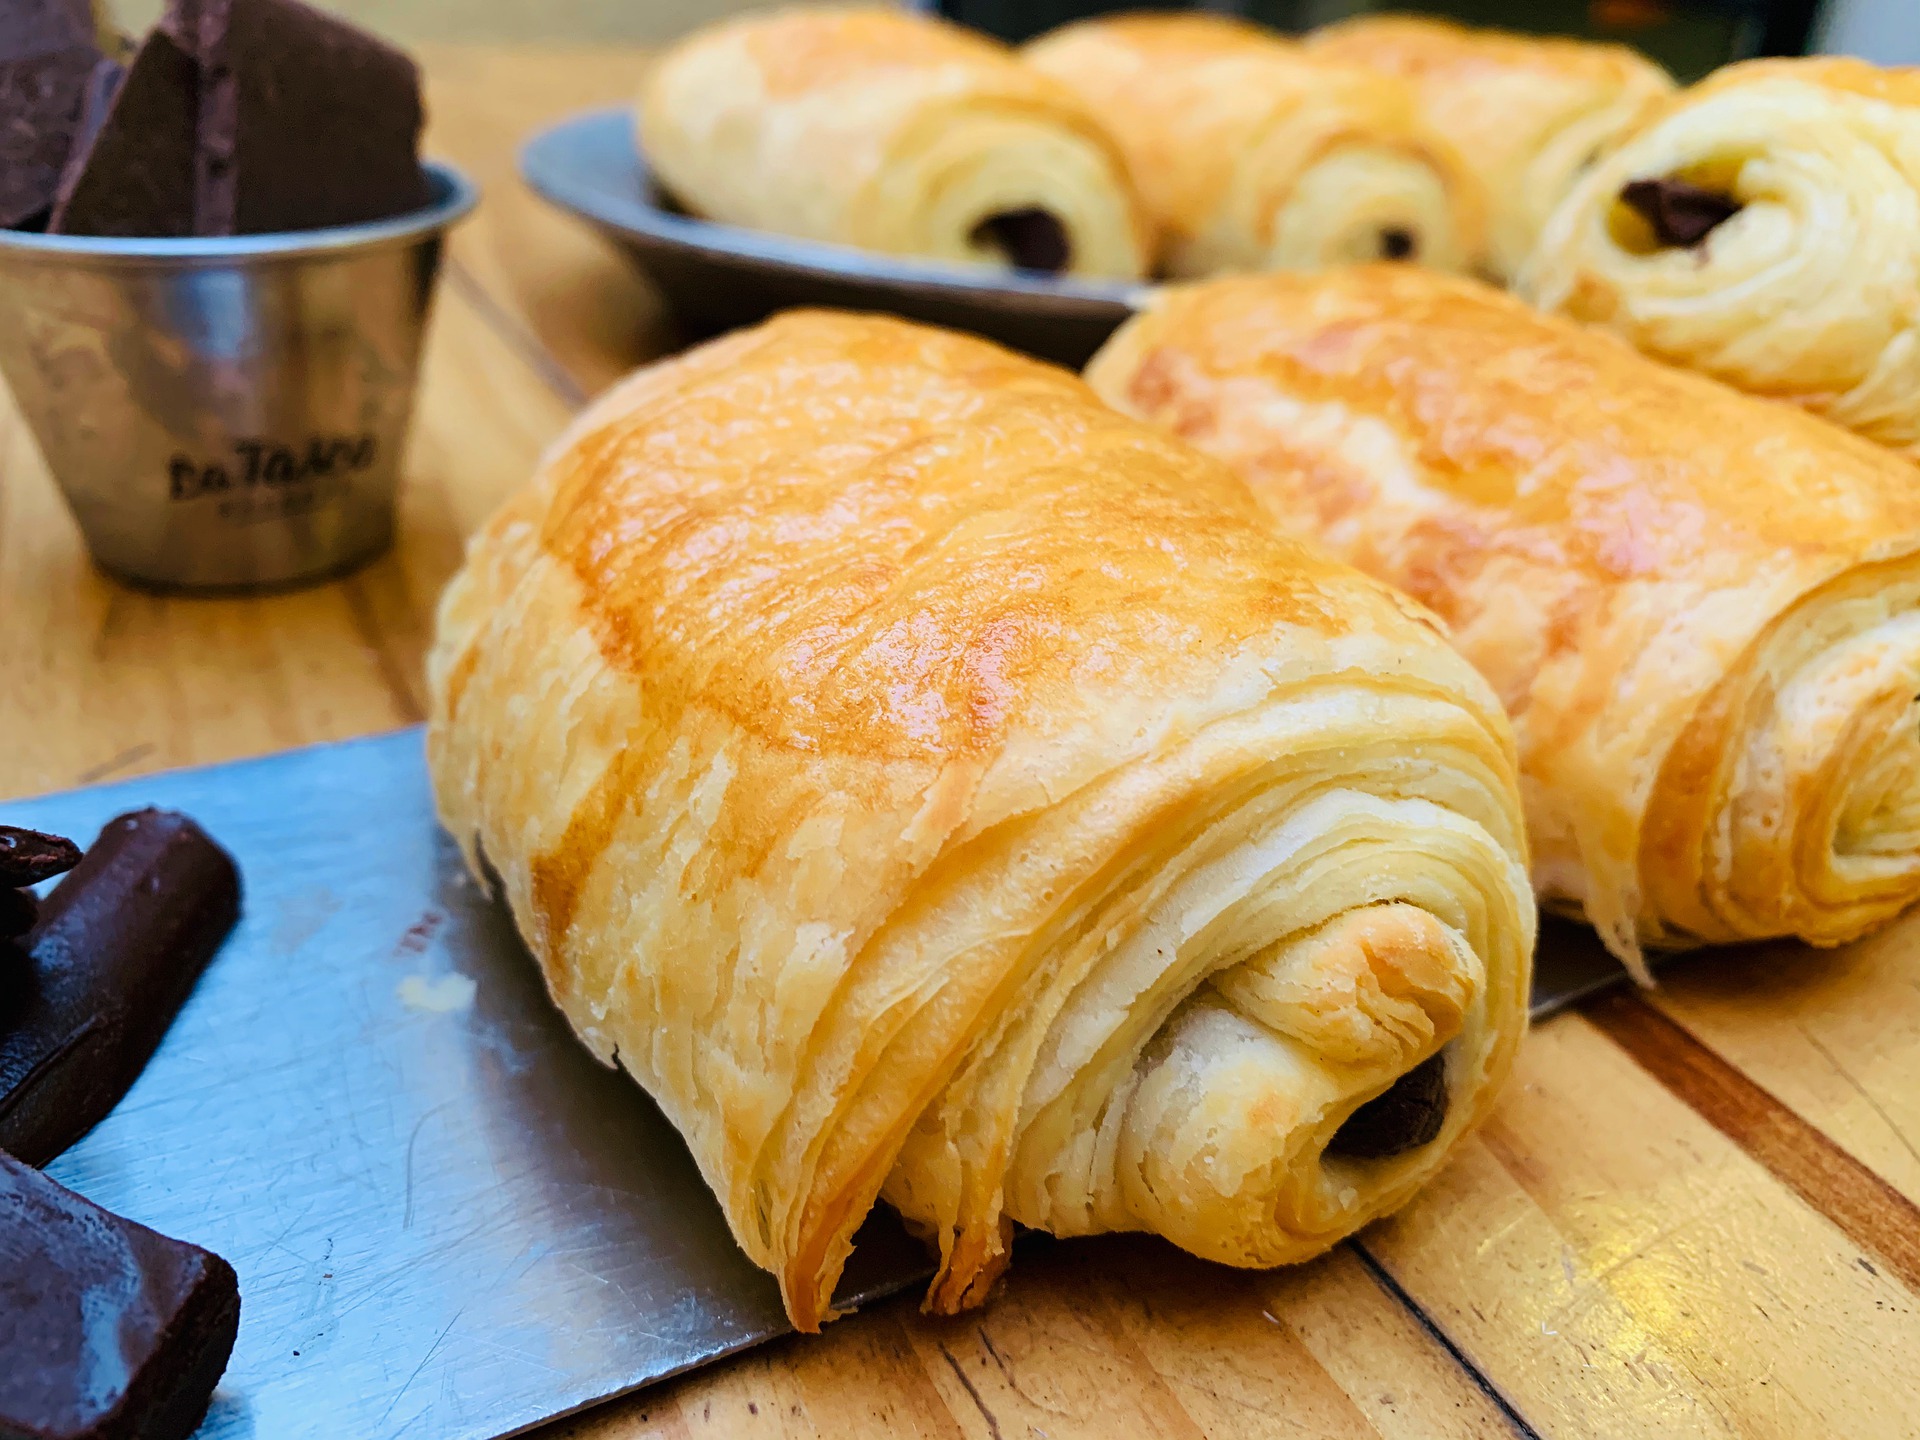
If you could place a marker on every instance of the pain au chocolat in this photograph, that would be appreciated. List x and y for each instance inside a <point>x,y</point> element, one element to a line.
<point>893,132</point>
<point>933,785</point>
<point>1701,609</point>
<point>1252,154</point>
<point>1762,227</point>
<point>1528,113</point>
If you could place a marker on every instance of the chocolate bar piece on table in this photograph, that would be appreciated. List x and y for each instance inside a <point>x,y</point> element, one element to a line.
<point>108,1330</point>
<point>114,953</point>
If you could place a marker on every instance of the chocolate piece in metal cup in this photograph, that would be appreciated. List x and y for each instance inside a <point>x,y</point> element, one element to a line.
<point>226,413</point>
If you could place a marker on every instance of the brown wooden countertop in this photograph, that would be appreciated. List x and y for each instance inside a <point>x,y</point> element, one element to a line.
<point>1692,1215</point>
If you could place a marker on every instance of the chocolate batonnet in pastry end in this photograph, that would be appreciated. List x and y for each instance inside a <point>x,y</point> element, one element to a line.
<point>1701,609</point>
<point>1252,154</point>
<point>1760,228</point>
<point>893,132</point>
<point>931,784</point>
<point>1528,114</point>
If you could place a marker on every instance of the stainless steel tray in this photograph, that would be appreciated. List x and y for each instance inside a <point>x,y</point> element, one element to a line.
<point>450,1223</point>
<point>716,277</point>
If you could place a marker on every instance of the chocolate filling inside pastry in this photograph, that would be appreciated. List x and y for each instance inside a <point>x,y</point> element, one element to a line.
<point>1409,1114</point>
<point>1031,239</point>
<point>1398,244</point>
<point>1682,214</point>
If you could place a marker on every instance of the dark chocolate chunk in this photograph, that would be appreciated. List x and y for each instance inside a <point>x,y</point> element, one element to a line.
<point>18,911</point>
<point>1409,1114</point>
<point>41,99</point>
<point>108,1330</point>
<point>38,27</point>
<point>1397,244</point>
<point>136,177</point>
<point>1681,214</point>
<point>1030,239</point>
<point>119,944</point>
<point>304,120</point>
<point>27,856</point>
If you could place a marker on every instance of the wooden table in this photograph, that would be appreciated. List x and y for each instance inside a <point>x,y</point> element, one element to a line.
<point>1692,1215</point>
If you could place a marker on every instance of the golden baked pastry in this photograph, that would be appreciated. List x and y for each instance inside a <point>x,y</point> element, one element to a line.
<point>1527,113</point>
<point>1764,227</point>
<point>1702,610</point>
<point>893,132</point>
<point>926,781</point>
<point>1251,154</point>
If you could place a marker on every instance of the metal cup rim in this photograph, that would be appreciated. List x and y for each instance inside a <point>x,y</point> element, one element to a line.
<point>455,196</point>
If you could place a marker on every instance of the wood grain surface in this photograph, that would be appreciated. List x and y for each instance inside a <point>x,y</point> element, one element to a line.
<point>1692,1215</point>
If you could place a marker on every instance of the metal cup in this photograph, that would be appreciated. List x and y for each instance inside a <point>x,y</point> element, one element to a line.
<point>228,413</point>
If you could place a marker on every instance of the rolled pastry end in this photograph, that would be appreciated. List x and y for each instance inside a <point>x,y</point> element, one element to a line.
<point>1280,1047</point>
<point>1809,821</point>
<point>1010,190</point>
<point>1361,202</point>
<point>1760,230</point>
<point>1293,1099</point>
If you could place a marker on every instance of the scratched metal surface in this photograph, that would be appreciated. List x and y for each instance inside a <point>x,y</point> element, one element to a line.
<point>449,1222</point>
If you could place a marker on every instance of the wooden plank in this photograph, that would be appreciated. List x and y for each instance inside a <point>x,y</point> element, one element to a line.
<point>1868,1210</point>
<point>1615,1265</point>
<point>1118,1336</point>
<point>1835,1035</point>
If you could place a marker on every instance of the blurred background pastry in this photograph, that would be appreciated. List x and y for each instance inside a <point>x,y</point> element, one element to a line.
<point>926,780</point>
<point>1764,227</point>
<point>1528,114</point>
<point>1701,609</point>
<point>892,132</point>
<point>1253,155</point>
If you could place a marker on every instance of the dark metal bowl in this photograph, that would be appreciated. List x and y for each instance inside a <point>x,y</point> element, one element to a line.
<point>716,277</point>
